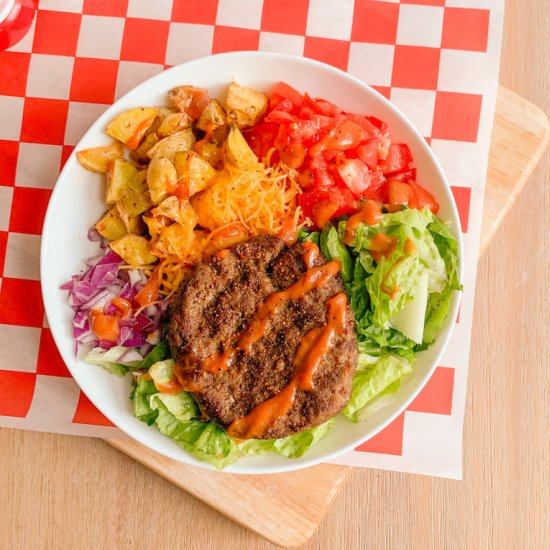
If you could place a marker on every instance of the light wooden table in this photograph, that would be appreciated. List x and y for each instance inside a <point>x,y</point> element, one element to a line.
<point>62,492</point>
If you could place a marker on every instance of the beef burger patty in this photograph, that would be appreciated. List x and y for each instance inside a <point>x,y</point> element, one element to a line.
<point>224,300</point>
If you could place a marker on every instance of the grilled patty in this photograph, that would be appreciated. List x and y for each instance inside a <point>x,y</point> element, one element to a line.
<point>217,304</point>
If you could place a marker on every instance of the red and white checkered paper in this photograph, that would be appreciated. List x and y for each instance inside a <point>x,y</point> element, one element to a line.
<point>437,60</point>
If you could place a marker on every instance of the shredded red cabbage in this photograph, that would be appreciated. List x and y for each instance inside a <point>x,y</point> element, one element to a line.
<point>96,288</point>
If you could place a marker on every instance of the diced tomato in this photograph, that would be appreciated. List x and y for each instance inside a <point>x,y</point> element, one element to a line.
<point>382,126</point>
<point>346,135</point>
<point>376,189</point>
<point>322,206</point>
<point>327,108</point>
<point>405,176</point>
<point>322,177</point>
<point>309,107</point>
<point>399,193</point>
<point>293,152</point>
<point>284,91</point>
<point>355,174</point>
<point>423,198</point>
<point>399,159</point>
<point>369,129</point>
<point>368,152</point>
<point>262,138</point>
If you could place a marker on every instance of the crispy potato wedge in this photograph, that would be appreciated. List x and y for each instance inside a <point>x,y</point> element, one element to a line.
<point>119,178</point>
<point>211,153</point>
<point>212,117</point>
<point>98,159</point>
<point>133,224</point>
<point>135,198</point>
<point>169,146</point>
<point>161,176</point>
<point>237,151</point>
<point>140,154</point>
<point>193,171</point>
<point>245,105</point>
<point>201,205</point>
<point>131,126</point>
<point>134,250</point>
<point>111,226</point>
<point>189,99</point>
<point>178,210</point>
<point>174,123</point>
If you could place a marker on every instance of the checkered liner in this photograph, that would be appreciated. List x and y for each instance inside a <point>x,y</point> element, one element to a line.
<point>437,60</point>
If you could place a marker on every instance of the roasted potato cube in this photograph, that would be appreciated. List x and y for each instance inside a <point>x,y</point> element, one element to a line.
<point>111,226</point>
<point>131,126</point>
<point>169,146</point>
<point>193,171</point>
<point>134,203</point>
<point>212,117</point>
<point>140,154</point>
<point>134,250</point>
<point>201,203</point>
<point>245,105</point>
<point>139,181</point>
<point>98,159</point>
<point>211,153</point>
<point>133,224</point>
<point>178,210</point>
<point>237,151</point>
<point>119,178</point>
<point>161,177</point>
<point>189,99</point>
<point>136,198</point>
<point>174,123</point>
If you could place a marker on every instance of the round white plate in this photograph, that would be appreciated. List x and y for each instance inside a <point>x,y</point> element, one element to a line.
<point>77,202</point>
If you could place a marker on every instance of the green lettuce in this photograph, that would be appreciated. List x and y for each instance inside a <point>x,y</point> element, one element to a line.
<point>177,417</point>
<point>107,359</point>
<point>373,379</point>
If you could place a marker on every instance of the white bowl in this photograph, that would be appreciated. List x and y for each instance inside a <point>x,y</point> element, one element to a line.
<point>77,202</point>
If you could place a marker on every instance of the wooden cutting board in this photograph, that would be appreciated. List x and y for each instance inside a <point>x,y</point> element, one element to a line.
<point>287,508</point>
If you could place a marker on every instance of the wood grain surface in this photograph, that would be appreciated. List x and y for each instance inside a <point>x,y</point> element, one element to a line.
<point>63,492</point>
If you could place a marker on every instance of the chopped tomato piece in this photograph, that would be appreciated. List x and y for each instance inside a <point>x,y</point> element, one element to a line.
<point>376,189</point>
<point>284,91</point>
<point>346,135</point>
<point>292,152</point>
<point>368,152</point>
<point>327,108</point>
<point>369,129</point>
<point>399,193</point>
<point>399,159</point>
<point>320,170</point>
<point>315,204</point>
<point>423,198</point>
<point>309,107</point>
<point>405,176</point>
<point>262,138</point>
<point>355,174</point>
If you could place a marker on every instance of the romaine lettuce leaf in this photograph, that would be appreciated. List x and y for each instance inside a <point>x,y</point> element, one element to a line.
<point>141,396</point>
<point>372,381</point>
<point>333,248</point>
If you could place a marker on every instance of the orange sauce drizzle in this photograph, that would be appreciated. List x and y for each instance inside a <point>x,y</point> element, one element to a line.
<point>289,231</point>
<point>313,347</point>
<point>314,277</point>
<point>133,142</point>
<point>393,293</point>
<point>382,246</point>
<point>371,213</point>
<point>150,292</point>
<point>409,248</point>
